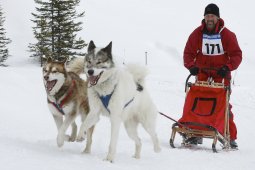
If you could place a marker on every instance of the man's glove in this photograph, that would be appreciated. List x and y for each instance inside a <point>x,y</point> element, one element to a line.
<point>223,71</point>
<point>194,71</point>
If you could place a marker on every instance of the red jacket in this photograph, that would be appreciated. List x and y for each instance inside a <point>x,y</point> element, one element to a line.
<point>231,57</point>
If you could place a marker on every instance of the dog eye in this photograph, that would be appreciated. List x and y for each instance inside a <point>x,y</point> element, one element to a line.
<point>54,71</point>
<point>99,62</point>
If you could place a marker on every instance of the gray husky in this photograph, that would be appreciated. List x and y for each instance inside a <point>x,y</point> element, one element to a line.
<point>120,94</point>
<point>67,97</point>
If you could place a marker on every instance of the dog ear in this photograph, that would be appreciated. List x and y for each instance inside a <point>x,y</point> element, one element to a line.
<point>64,60</point>
<point>108,49</point>
<point>91,46</point>
<point>49,59</point>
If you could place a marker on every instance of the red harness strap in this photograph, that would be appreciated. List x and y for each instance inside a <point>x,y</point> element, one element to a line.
<point>70,91</point>
<point>62,102</point>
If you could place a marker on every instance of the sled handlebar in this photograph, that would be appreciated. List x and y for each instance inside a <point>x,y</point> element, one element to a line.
<point>204,69</point>
<point>186,82</point>
<point>209,69</point>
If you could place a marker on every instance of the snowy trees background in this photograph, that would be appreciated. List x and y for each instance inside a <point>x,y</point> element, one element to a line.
<point>4,41</point>
<point>55,30</point>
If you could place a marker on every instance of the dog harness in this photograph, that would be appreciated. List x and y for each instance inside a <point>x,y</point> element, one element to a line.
<point>59,106</point>
<point>106,99</point>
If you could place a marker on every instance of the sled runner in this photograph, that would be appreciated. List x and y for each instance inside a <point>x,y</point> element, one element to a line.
<point>205,114</point>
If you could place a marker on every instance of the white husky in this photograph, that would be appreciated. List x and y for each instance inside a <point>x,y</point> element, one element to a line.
<point>120,94</point>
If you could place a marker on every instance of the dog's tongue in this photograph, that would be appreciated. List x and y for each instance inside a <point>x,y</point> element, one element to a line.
<point>50,85</point>
<point>93,80</point>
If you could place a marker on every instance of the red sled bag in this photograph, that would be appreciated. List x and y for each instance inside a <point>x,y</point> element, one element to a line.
<point>205,105</point>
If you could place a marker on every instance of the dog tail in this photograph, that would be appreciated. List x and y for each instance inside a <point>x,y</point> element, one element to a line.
<point>76,66</point>
<point>138,72</point>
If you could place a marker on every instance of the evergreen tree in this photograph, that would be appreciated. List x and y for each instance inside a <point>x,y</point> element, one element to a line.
<point>56,30</point>
<point>4,52</point>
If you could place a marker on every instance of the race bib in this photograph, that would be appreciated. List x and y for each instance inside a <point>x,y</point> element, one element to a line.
<point>212,45</point>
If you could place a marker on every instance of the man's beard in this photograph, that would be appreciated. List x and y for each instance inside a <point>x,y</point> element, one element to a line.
<point>210,25</point>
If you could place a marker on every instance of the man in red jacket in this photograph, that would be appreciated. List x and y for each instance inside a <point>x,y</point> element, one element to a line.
<point>213,46</point>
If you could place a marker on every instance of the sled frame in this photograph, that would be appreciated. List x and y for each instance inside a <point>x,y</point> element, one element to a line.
<point>211,133</point>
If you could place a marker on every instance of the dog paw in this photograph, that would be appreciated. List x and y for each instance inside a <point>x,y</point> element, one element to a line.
<point>60,140</point>
<point>86,150</point>
<point>136,156</point>
<point>72,139</point>
<point>109,158</point>
<point>157,149</point>
<point>80,138</point>
<point>68,138</point>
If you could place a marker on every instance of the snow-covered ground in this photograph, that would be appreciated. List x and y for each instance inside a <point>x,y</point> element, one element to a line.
<point>158,27</point>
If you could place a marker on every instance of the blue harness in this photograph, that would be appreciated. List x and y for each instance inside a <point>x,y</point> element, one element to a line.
<point>106,99</point>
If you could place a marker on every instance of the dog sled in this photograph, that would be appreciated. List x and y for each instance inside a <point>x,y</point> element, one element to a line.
<point>205,114</point>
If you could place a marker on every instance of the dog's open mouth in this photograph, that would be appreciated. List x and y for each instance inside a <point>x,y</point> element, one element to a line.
<point>50,85</point>
<point>94,79</point>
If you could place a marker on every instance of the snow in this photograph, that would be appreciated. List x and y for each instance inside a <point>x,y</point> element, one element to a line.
<point>158,27</point>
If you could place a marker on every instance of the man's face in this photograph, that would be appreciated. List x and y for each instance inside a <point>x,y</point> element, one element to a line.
<point>210,21</point>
